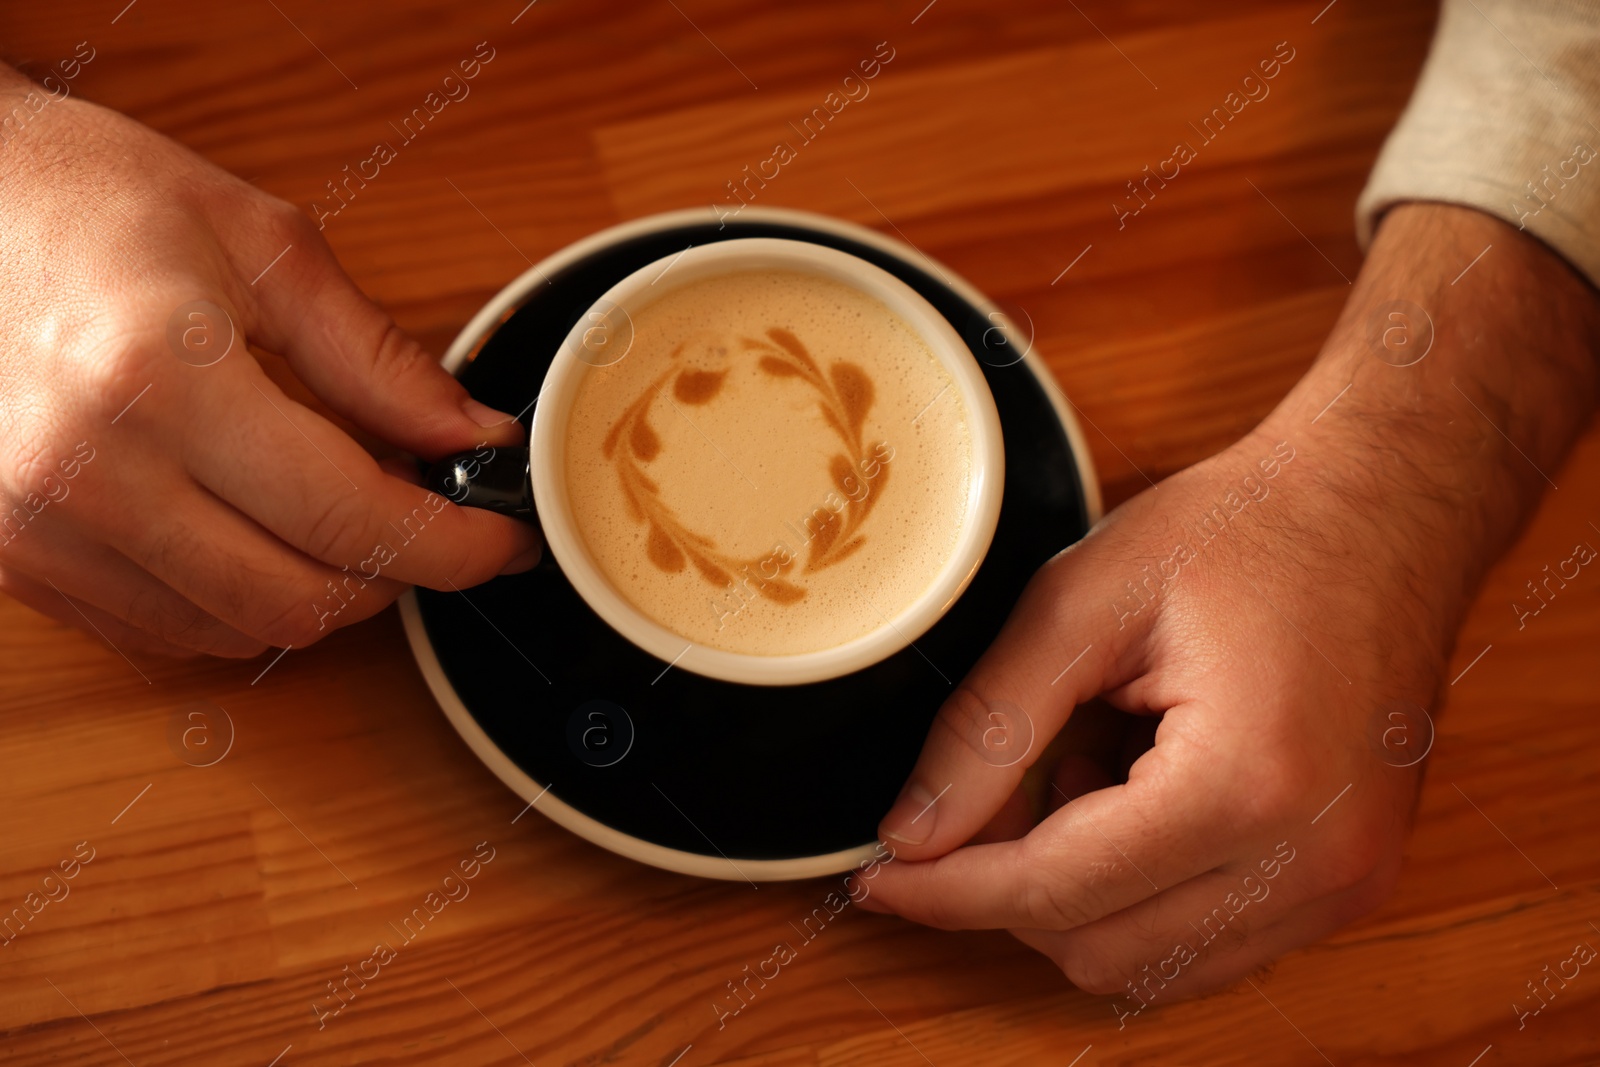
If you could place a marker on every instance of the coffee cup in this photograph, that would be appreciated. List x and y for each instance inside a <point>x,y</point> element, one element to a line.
<point>761,460</point>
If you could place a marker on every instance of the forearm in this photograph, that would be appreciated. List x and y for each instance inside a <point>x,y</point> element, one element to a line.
<point>1438,462</point>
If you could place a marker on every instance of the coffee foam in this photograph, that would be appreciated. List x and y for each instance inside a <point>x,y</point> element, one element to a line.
<point>737,481</point>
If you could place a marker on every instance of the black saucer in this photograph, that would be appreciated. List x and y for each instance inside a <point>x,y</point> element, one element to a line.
<point>711,769</point>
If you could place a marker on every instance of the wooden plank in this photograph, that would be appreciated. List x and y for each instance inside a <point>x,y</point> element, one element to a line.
<point>222,903</point>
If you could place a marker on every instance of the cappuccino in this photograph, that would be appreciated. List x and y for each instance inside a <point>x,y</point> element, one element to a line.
<point>778,465</point>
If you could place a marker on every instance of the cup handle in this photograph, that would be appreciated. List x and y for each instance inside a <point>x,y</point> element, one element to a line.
<point>498,482</point>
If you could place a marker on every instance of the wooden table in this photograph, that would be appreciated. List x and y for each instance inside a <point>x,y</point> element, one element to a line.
<point>221,900</point>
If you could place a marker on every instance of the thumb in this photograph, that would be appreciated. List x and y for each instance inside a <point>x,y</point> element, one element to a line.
<point>1060,647</point>
<point>350,353</point>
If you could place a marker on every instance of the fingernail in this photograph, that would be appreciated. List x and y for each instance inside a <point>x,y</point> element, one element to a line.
<point>524,562</point>
<point>483,414</point>
<point>910,821</point>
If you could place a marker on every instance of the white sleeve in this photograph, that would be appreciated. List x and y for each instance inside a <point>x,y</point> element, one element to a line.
<point>1506,119</point>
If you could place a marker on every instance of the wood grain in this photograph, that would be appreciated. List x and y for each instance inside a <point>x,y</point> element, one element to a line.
<point>221,903</point>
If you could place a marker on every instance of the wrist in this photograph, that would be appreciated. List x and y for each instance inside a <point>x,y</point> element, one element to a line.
<point>1445,398</point>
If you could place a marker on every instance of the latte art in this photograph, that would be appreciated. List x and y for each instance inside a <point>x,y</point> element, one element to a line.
<point>845,393</point>
<point>731,476</point>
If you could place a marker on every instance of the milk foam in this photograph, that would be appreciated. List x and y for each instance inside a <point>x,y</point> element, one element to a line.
<point>738,482</point>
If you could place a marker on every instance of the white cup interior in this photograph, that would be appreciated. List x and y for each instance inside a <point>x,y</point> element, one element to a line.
<point>579,354</point>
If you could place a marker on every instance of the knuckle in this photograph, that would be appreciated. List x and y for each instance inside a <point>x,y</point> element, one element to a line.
<point>1052,897</point>
<point>170,548</point>
<point>166,618</point>
<point>233,593</point>
<point>123,360</point>
<point>1228,930</point>
<point>186,626</point>
<point>998,732</point>
<point>1091,971</point>
<point>1274,788</point>
<point>336,530</point>
<point>395,350</point>
<point>289,223</point>
<point>1054,571</point>
<point>235,603</point>
<point>963,714</point>
<point>294,621</point>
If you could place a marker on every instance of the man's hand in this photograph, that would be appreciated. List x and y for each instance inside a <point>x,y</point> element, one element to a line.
<point>1282,606</point>
<point>154,482</point>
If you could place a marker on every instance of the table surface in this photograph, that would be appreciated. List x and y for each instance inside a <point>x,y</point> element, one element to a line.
<point>221,900</point>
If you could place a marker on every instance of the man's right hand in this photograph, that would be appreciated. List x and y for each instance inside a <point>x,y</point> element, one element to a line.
<point>155,484</point>
<point>1287,607</point>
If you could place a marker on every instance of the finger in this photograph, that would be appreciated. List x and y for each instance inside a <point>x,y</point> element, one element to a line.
<point>233,568</point>
<point>94,574</point>
<point>406,471</point>
<point>1194,939</point>
<point>97,624</point>
<point>1106,851</point>
<point>1059,647</point>
<point>1301,927</point>
<point>220,560</point>
<point>302,479</point>
<point>351,353</point>
<point>1221,926</point>
<point>1165,937</point>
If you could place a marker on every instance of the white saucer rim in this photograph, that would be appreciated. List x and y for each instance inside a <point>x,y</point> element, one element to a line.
<point>543,797</point>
